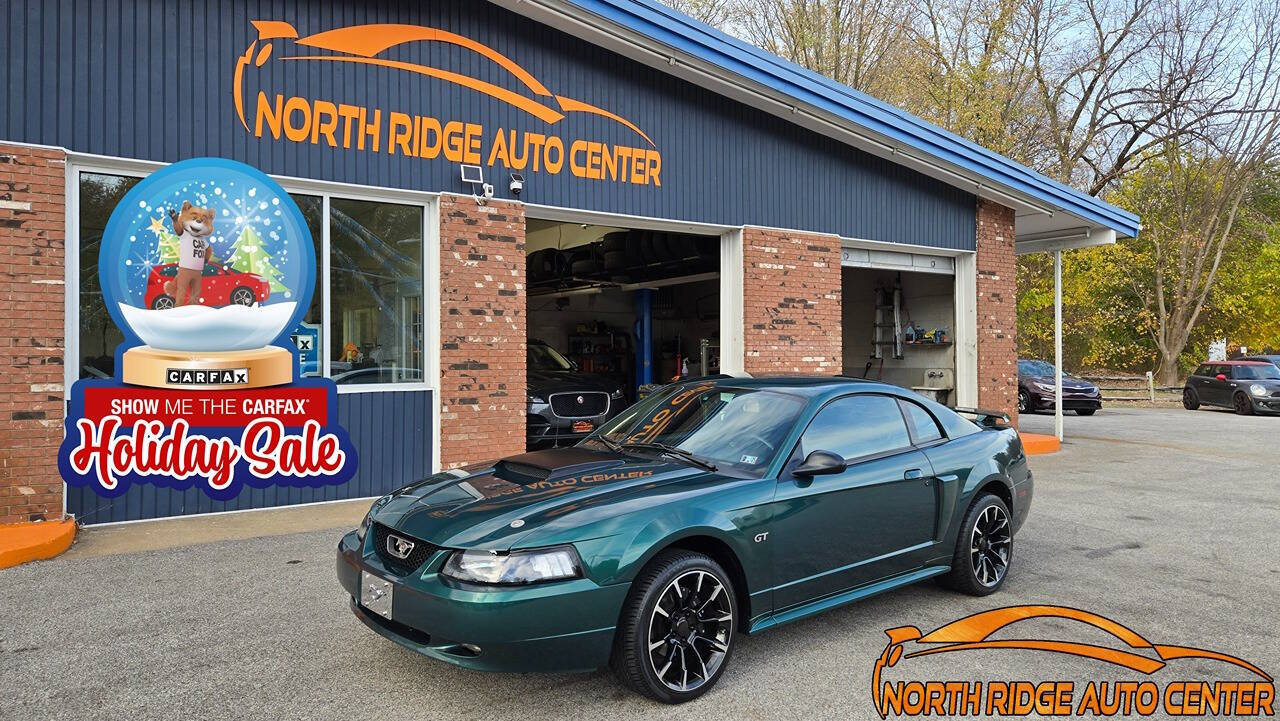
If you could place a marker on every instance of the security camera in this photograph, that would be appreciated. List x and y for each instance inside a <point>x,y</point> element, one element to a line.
<point>517,183</point>
<point>488,190</point>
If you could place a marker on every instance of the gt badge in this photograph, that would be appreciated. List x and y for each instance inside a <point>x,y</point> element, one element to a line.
<point>762,537</point>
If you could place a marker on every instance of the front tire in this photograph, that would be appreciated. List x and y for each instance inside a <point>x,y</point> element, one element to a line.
<point>162,302</point>
<point>676,632</point>
<point>1024,402</point>
<point>984,548</point>
<point>1086,411</point>
<point>242,296</point>
<point>1242,405</point>
<point>1190,400</point>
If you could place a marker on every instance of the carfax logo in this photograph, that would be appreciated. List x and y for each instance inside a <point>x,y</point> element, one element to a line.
<point>207,269</point>
<point>1244,690</point>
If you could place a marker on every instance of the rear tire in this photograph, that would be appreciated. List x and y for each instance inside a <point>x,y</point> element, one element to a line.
<point>162,302</point>
<point>1242,405</point>
<point>1086,411</point>
<point>1190,400</point>
<point>661,629</point>
<point>984,548</point>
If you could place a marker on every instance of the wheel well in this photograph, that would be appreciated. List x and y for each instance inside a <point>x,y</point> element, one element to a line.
<point>999,489</point>
<point>722,554</point>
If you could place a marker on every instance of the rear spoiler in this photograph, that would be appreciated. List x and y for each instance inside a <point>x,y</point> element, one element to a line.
<point>985,418</point>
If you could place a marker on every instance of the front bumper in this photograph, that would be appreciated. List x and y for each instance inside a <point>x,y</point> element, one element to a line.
<point>556,627</point>
<point>545,428</point>
<point>1265,404</point>
<point>1069,402</point>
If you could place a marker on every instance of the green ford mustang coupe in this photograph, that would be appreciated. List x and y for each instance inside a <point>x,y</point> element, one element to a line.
<point>713,508</point>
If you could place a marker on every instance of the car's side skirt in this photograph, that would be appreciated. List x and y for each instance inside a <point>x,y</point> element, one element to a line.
<point>840,599</point>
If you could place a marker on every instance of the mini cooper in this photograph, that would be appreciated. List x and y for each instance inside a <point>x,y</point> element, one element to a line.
<point>713,508</point>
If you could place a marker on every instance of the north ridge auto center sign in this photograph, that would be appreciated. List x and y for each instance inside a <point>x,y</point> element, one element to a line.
<point>335,124</point>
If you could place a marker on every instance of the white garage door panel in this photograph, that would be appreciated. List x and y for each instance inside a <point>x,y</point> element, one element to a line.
<point>896,260</point>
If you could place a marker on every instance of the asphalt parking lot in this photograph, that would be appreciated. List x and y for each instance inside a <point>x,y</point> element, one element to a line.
<point>1164,520</point>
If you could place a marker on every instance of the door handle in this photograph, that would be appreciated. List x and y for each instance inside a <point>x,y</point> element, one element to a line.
<point>913,474</point>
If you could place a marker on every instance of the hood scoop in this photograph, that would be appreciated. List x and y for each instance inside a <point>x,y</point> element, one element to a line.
<point>552,463</point>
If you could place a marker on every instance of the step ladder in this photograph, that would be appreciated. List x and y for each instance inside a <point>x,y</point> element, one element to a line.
<point>887,329</point>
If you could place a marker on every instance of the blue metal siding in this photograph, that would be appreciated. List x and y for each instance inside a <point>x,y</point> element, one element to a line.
<point>391,431</point>
<point>153,80</point>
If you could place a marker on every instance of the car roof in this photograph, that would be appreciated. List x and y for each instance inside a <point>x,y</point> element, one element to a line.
<point>1236,363</point>
<point>809,386</point>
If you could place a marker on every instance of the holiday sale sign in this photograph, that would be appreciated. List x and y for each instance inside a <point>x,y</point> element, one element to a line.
<point>207,268</point>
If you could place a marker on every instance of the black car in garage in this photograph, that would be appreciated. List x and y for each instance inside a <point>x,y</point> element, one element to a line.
<point>565,404</point>
<point>1244,386</point>
<point>1036,390</point>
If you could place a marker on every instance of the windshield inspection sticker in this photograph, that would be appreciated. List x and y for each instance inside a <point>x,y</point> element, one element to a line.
<point>751,460</point>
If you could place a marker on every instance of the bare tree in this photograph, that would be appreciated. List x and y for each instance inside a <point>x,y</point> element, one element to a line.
<point>716,13</point>
<point>1191,212</point>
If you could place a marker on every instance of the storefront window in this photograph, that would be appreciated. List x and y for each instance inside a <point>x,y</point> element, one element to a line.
<point>375,276</point>
<point>312,207</point>
<point>99,194</point>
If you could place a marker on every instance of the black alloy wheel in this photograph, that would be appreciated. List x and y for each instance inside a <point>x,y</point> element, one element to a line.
<point>984,548</point>
<point>1190,400</point>
<point>1242,405</point>
<point>677,628</point>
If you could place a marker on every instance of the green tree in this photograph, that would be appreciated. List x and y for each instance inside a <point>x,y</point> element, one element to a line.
<point>249,256</point>
<point>168,247</point>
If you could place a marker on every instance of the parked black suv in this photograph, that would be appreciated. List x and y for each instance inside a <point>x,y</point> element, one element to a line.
<point>1036,390</point>
<point>1246,387</point>
<point>565,404</point>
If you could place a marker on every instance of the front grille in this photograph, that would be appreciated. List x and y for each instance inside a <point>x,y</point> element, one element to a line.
<point>400,566</point>
<point>567,405</point>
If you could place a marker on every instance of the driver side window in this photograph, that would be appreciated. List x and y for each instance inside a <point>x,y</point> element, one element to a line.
<point>856,426</point>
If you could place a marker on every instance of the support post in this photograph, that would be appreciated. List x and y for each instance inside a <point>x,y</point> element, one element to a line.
<point>1151,386</point>
<point>1057,343</point>
<point>644,337</point>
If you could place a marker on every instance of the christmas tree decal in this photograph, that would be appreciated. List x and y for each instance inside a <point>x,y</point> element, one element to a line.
<point>168,247</point>
<point>248,256</point>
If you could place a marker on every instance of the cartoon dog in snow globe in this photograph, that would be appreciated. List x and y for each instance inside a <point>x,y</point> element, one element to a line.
<point>206,266</point>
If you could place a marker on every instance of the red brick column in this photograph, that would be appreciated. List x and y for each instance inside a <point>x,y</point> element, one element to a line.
<point>997,309</point>
<point>482,330</point>
<point>32,231</point>
<point>791,302</point>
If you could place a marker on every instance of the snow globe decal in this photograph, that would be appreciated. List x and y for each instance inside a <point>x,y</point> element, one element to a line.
<point>206,266</point>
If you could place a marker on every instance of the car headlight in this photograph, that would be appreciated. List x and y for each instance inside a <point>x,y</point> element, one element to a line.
<point>514,569</point>
<point>1258,390</point>
<point>368,517</point>
<point>1045,386</point>
<point>537,399</point>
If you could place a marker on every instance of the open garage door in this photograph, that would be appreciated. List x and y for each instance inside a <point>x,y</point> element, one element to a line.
<point>612,312</point>
<point>899,323</point>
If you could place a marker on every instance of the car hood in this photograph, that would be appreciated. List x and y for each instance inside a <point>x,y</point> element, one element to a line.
<point>545,382</point>
<point>1068,384</point>
<point>476,507</point>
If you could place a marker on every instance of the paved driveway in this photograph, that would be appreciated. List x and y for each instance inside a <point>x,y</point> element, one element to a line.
<point>1165,520</point>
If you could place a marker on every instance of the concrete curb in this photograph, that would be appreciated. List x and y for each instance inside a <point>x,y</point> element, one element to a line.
<point>24,542</point>
<point>1037,444</point>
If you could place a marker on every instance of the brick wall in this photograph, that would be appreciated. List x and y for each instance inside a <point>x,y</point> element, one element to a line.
<point>482,329</point>
<point>32,223</point>
<point>791,302</point>
<point>997,309</point>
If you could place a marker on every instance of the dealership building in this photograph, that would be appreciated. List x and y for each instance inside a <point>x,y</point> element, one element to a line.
<point>493,186</point>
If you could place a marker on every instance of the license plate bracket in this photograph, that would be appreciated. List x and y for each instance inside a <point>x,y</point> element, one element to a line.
<point>376,593</point>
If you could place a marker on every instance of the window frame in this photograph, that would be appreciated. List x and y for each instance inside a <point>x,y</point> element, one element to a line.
<point>911,431</point>
<point>429,203</point>
<point>857,460</point>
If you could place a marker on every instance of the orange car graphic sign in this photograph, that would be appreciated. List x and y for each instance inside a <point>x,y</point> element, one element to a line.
<point>319,121</point>
<point>1252,697</point>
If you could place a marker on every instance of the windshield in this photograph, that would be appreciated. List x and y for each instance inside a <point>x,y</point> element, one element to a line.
<point>1037,368</point>
<point>1257,373</point>
<point>545,358</point>
<point>734,428</point>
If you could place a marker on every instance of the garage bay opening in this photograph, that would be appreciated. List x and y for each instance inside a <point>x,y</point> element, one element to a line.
<point>614,312</point>
<point>898,320</point>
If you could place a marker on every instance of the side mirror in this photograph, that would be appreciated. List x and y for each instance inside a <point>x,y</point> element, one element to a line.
<point>1220,377</point>
<point>820,463</point>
